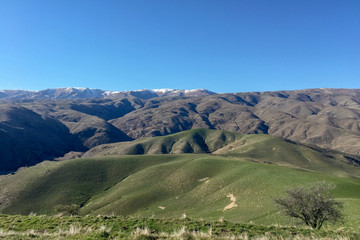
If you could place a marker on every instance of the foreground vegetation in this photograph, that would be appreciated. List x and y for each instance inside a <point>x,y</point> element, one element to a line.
<point>116,227</point>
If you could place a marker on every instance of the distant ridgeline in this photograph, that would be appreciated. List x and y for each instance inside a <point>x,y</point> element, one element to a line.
<point>63,123</point>
<point>87,93</point>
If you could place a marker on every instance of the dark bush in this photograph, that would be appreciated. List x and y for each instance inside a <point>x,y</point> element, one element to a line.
<point>313,204</point>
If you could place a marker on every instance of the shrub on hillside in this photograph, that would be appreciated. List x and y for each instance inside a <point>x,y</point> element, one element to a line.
<point>313,204</point>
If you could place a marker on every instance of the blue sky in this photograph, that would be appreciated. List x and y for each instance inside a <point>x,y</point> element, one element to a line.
<point>224,46</point>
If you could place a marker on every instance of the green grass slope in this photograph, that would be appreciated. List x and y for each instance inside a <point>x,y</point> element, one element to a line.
<point>253,147</point>
<point>191,141</point>
<point>200,186</point>
<point>274,150</point>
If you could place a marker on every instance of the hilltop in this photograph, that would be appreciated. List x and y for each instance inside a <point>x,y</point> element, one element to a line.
<point>259,148</point>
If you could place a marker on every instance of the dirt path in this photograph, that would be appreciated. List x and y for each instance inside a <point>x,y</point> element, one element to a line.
<point>232,204</point>
<point>203,179</point>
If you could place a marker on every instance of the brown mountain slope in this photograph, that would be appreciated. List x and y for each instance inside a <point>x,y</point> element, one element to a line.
<point>328,118</point>
<point>33,131</point>
<point>27,138</point>
<point>227,112</point>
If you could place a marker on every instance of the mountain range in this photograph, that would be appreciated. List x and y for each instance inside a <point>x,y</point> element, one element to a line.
<point>64,123</point>
<point>87,93</point>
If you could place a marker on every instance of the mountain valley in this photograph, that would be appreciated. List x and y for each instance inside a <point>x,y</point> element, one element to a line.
<point>209,156</point>
<point>326,118</point>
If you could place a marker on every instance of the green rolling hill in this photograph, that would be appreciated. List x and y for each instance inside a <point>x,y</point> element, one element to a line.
<point>234,176</point>
<point>191,141</point>
<point>252,147</point>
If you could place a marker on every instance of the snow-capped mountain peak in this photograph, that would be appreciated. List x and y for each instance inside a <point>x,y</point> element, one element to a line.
<point>88,93</point>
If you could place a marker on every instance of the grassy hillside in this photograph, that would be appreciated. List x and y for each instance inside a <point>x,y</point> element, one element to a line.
<point>191,141</point>
<point>252,147</point>
<point>200,186</point>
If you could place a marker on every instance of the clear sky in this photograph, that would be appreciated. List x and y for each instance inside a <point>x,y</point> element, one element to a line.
<point>222,45</point>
